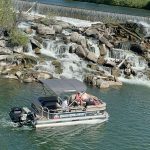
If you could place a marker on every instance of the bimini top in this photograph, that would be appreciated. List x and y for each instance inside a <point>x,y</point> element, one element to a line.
<point>59,86</point>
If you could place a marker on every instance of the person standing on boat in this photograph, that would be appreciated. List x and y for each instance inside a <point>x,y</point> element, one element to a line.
<point>65,106</point>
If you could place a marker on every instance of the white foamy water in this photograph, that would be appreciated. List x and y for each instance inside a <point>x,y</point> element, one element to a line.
<point>135,81</point>
<point>76,22</point>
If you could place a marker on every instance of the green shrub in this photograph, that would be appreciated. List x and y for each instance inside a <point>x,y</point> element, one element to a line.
<point>18,37</point>
<point>7,14</point>
<point>128,3</point>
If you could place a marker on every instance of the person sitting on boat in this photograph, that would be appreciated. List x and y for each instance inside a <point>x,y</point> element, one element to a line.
<point>86,99</point>
<point>64,105</point>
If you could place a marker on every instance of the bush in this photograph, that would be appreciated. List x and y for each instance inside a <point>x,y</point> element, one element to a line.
<point>18,37</point>
<point>128,3</point>
<point>7,15</point>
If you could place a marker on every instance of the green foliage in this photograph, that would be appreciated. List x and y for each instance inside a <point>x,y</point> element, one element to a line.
<point>18,37</point>
<point>7,14</point>
<point>128,3</point>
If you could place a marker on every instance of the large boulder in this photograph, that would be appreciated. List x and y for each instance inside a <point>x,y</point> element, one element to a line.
<point>44,75</point>
<point>80,51</point>
<point>79,39</point>
<point>91,56</point>
<point>91,32</point>
<point>45,30</point>
<point>74,37</point>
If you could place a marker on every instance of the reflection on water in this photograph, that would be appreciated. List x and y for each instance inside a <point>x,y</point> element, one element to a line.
<point>127,127</point>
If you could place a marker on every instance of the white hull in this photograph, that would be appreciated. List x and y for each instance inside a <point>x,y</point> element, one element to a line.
<point>68,122</point>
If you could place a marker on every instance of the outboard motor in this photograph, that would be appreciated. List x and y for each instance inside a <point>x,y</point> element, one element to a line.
<point>15,114</point>
<point>22,116</point>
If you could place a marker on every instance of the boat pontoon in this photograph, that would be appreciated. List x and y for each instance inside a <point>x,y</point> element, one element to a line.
<point>70,105</point>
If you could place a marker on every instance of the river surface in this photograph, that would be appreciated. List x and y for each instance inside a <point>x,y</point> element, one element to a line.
<point>98,7</point>
<point>128,127</point>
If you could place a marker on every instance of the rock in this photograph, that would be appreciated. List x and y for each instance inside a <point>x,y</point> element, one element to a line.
<point>66,39</point>
<point>91,56</point>
<point>88,78</point>
<point>137,48</point>
<point>58,70</point>
<point>18,49</point>
<point>37,51</point>
<point>28,80</point>
<point>2,43</point>
<point>110,63</point>
<point>127,71</point>
<point>104,85</point>
<point>44,30</point>
<point>44,75</point>
<point>64,25</point>
<point>5,51</point>
<point>113,83</point>
<point>91,32</point>
<point>35,43</point>
<point>93,66</point>
<point>28,30</point>
<point>3,57</point>
<point>103,50</point>
<point>101,60</point>
<point>72,48</point>
<point>82,41</point>
<point>99,82</point>
<point>48,21</point>
<point>80,51</point>
<point>74,37</point>
<point>56,63</point>
<point>94,81</point>
<point>115,72</point>
<point>10,76</point>
<point>105,41</point>
<point>57,28</point>
<point>18,74</point>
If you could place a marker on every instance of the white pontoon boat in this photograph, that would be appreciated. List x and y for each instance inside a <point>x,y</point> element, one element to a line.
<point>70,105</point>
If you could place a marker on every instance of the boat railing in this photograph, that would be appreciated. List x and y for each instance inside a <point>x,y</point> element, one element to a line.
<point>50,113</point>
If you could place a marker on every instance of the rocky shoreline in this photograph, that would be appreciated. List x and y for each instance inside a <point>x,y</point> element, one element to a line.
<point>97,54</point>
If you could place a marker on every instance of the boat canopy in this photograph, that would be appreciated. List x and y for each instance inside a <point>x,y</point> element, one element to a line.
<point>59,86</point>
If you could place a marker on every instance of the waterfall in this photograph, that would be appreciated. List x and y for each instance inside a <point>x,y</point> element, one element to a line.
<point>78,13</point>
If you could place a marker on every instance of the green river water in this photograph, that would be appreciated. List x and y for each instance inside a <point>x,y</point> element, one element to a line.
<point>128,127</point>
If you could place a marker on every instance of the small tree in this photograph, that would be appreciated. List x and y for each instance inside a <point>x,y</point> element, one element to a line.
<point>7,14</point>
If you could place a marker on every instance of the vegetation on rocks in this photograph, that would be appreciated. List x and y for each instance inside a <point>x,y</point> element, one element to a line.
<point>7,14</point>
<point>127,3</point>
<point>17,37</point>
<point>8,23</point>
